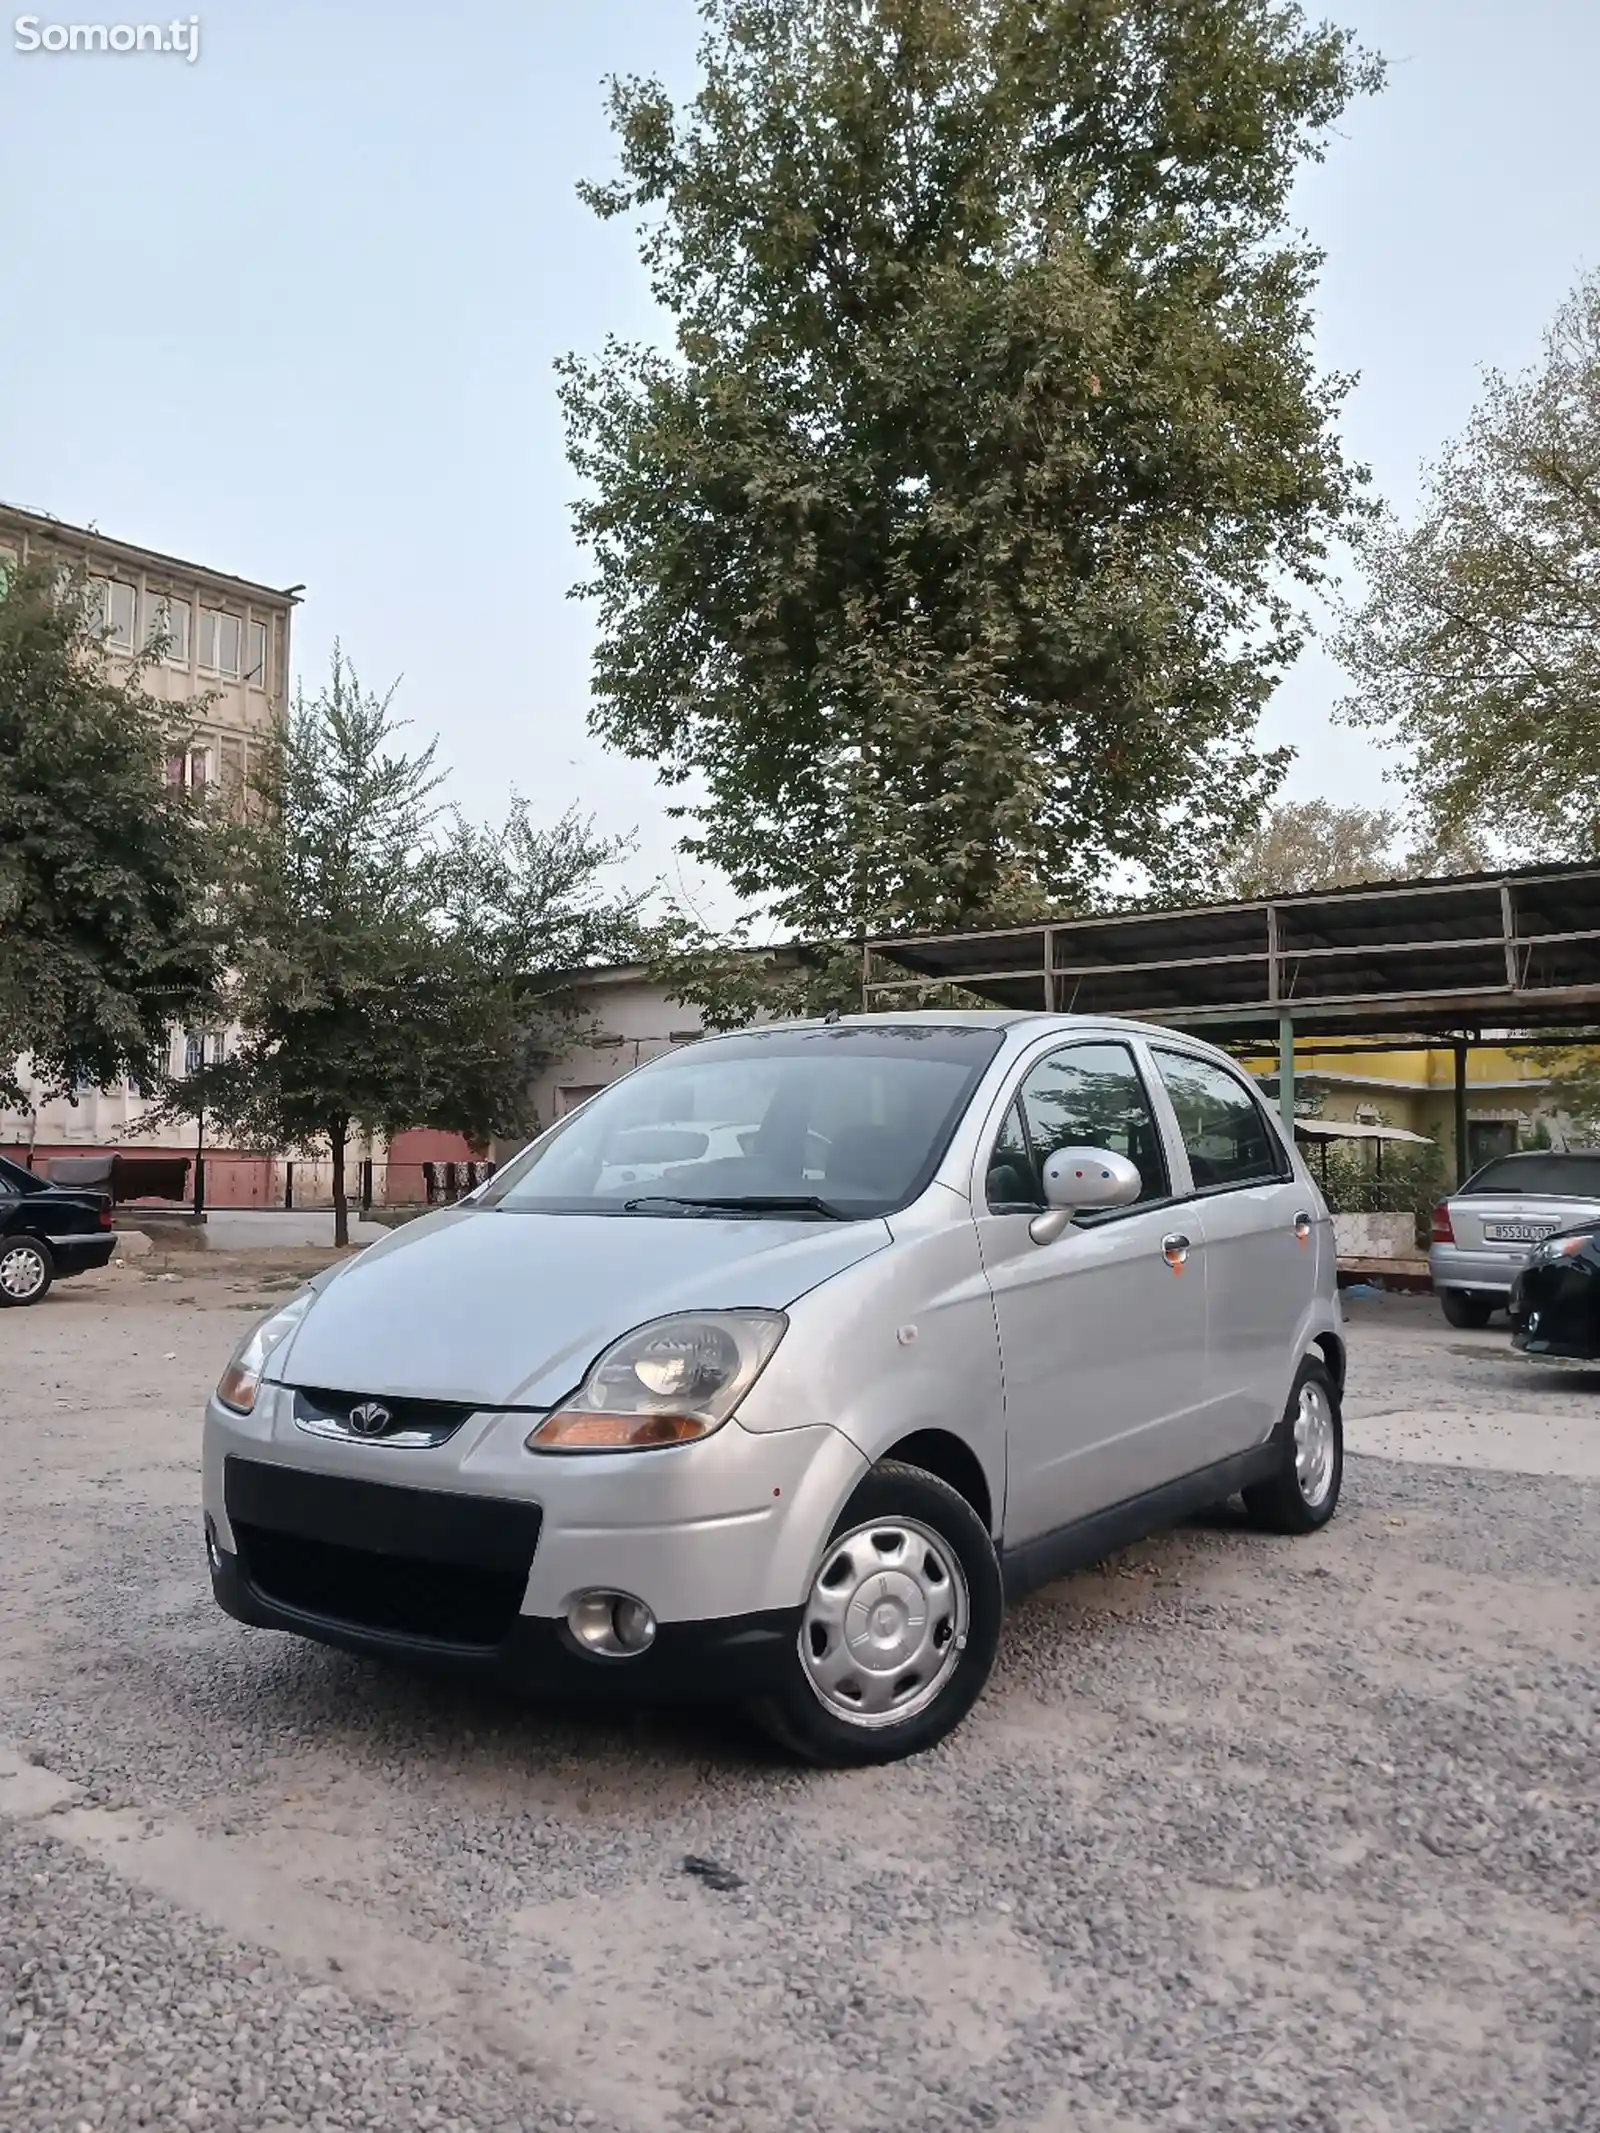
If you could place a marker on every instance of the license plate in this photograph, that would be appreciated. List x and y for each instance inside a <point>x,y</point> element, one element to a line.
<point>1518,1232</point>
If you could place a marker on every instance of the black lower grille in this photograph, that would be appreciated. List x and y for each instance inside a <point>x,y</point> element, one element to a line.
<point>410,1562</point>
<point>448,1603</point>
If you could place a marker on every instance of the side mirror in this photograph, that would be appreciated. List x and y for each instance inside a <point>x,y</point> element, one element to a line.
<point>1080,1180</point>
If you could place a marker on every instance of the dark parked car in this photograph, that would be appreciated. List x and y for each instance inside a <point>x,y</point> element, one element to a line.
<point>1555,1302</point>
<point>48,1232</point>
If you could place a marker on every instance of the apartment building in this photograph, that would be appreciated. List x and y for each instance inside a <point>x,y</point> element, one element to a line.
<point>224,646</point>
<point>224,640</point>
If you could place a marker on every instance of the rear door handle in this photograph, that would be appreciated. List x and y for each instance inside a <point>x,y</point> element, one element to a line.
<point>1303,1226</point>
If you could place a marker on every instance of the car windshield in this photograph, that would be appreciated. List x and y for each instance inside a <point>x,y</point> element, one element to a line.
<point>1557,1177</point>
<point>814,1122</point>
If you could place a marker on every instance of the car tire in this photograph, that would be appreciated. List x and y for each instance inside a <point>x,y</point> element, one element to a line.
<point>1304,1493</point>
<point>26,1271</point>
<point>1462,1308</point>
<point>917,1543</point>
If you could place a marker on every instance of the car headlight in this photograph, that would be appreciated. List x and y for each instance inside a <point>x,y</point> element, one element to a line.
<point>241,1381</point>
<point>670,1382</point>
<point>1562,1247</point>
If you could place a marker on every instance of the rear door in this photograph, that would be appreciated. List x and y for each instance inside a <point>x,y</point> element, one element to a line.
<point>1259,1221</point>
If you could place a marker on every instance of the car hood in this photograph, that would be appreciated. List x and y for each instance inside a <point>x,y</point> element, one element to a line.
<point>506,1309</point>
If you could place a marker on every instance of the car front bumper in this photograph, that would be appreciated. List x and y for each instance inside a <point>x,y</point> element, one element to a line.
<point>471,1553</point>
<point>689,1662</point>
<point>1555,1313</point>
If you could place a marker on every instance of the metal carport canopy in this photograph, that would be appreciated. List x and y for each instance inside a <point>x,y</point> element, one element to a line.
<point>1514,950</point>
<point>1442,958</point>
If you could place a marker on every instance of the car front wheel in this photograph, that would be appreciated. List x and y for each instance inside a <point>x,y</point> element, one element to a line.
<point>26,1270</point>
<point>899,1629</point>
<point>1304,1493</point>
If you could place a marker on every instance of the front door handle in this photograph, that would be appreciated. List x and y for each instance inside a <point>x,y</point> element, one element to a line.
<point>1175,1249</point>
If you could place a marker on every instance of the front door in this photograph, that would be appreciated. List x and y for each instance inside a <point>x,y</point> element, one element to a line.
<point>1259,1223</point>
<point>1102,1333</point>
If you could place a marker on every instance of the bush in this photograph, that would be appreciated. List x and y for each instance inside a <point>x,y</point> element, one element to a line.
<point>1413,1180</point>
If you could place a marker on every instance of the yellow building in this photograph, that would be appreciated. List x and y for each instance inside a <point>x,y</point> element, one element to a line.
<point>1363,1083</point>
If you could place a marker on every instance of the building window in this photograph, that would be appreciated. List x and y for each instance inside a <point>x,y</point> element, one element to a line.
<point>220,638</point>
<point>190,772</point>
<point>109,605</point>
<point>167,620</point>
<point>203,1048</point>
<point>232,764</point>
<point>256,671</point>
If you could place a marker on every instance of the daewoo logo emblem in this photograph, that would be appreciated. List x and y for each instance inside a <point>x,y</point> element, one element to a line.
<point>369,1418</point>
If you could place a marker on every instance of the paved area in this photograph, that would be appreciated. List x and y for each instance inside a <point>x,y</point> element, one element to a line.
<point>1248,1834</point>
<point>272,1228</point>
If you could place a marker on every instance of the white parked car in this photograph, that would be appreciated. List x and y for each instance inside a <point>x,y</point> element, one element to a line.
<point>969,1301</point>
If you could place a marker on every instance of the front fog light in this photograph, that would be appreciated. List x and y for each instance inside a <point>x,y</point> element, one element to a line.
<point>612,1625</point>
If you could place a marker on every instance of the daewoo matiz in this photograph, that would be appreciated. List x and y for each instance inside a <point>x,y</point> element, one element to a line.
<point>776,1370</point>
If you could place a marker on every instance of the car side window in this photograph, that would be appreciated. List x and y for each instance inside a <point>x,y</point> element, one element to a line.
<point>1083,1096</point>
<point>1222,1124</point>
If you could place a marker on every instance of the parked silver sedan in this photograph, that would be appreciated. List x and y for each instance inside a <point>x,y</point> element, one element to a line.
<point>966,1302</point>
<point>1485,1232</point>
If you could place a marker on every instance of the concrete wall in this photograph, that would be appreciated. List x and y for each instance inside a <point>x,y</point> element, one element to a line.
<point>634,1019</point>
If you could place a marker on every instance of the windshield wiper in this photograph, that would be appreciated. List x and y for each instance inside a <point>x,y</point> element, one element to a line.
<point>750,1203</point>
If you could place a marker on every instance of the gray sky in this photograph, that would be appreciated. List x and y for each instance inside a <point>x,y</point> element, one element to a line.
<point>291,310</point>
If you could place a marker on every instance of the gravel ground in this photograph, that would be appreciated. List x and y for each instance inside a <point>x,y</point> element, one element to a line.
<point>1248,1834</point>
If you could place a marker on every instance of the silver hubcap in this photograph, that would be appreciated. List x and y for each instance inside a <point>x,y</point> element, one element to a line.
<point>886,1622</point>
<point>21,1273</point>
<point>1313,1445</point>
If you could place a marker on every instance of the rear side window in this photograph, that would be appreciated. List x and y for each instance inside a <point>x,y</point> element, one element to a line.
<point>1223,1126</point>
<point>1564,1177</point>
<point>1084,1096</point>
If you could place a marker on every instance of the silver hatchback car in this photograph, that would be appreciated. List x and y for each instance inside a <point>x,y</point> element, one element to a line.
<point>774,1372</point>
<point>1486,1231</point>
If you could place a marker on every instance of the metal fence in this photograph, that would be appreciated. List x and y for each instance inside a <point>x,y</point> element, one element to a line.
<point>227,1181</point>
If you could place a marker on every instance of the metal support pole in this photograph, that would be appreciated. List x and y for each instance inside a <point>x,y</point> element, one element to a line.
<point>200,1167</point>
<point>1286,1073</point>
<point>1460,1049</point>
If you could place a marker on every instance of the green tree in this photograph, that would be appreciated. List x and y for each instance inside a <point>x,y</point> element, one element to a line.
<point>946,553</point>
<point>1476,651</point>
<point>1314,844</point>
<point>520,913</point>
<point>391,966</point>
<point>104,939</point>
<point>1571,1069</point>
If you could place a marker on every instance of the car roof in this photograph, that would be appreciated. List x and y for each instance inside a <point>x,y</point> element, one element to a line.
<point>963,1018</point>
